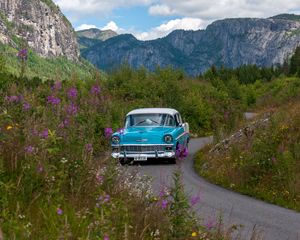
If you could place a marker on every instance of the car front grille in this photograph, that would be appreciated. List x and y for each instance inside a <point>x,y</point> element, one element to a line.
<point>143,148</point>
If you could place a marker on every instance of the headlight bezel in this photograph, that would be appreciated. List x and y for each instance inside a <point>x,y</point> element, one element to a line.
<point>115,140</point>
<point>168,138</point>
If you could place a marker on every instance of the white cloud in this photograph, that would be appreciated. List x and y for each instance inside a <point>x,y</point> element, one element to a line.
<point>85,26</point>
<point>111,26</point>
<point>212,10</point>
<point>158,9</point>
<point>166,28</point>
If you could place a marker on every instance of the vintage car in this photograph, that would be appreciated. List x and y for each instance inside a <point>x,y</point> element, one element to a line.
<point>151,133</point>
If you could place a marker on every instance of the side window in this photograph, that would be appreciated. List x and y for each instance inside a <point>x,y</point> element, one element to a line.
<point>178,119</point>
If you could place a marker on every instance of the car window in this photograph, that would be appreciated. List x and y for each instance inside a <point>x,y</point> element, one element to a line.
<point>144,120</point>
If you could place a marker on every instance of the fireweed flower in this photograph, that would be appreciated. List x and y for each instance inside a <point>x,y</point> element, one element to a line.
<point>13,99</point>
<point>44,134</point>
<point>195,200</point>
<point>164,204</point>
<point>210,224</point>
<point>72,93</point>
<point>65,123</point>
<point>59,211</point>
<point>108,132</point>
<point>89,148</point>
<point>95,90</point>
<point>72,109</point>
<point>22,54</point>
<point>40,168</point>
<point>53,100</point>
<point>29,149</point>
<point>26,106</point>
<point>106,237</point>
<point>57,85</point>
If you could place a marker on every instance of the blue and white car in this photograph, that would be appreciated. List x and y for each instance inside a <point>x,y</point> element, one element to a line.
<point>151,133</point>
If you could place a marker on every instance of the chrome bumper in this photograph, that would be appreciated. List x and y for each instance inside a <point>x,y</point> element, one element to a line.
<point>167,154</point>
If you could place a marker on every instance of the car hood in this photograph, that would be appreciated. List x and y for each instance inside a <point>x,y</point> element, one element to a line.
<point>145,135</point>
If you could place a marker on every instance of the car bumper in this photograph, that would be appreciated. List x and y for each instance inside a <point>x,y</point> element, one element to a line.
<point>167,154</point>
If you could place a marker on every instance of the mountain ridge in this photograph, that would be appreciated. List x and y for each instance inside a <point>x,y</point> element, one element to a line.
<point>230,42</point>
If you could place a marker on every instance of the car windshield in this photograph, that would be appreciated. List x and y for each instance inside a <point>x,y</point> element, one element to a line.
<point>151,119</point>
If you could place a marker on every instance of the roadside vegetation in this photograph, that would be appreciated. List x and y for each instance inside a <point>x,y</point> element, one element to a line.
<point>57,180</point>
<point>264,162</point>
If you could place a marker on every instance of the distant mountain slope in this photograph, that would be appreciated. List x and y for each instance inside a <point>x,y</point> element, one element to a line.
<point>90,37</point>
<point>229,42</point>
<point>41,24</point>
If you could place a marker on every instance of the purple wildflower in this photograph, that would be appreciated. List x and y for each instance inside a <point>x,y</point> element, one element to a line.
<point>53,100</point>
<point>34,132</point>
<point>106,237</point>
<point>108,132</point>
<point>121,131</point>
<point>40,168</point>
<point>65,123</point>
<point>274,159</point>
<point>185,152</point>
<point>210,224</point>
<point>89,148</point>
<point>95,90</point>
<point>26,106</point>
<point>57,85</point>
<point>13,99</point>
<point>99,179</point>
<point>22,54</point>
<point>59,211</point>
<point>164,204</point>
<point>29,149</point>
<point>72,109</point>
<point>195,200</point>
<point>44,134</point>
<point>72,93</point>
<point>107,198</point>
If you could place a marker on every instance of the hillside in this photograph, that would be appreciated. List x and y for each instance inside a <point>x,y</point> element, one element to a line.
<point>40,25</point>
<point>230,43</point>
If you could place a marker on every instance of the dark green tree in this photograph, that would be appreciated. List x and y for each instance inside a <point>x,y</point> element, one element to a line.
<point>295,62</point>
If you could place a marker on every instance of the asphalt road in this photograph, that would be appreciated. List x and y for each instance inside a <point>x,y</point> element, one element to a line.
<point>273,222</point>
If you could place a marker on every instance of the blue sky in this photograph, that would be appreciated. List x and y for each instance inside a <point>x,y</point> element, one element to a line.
<point>150,19</point>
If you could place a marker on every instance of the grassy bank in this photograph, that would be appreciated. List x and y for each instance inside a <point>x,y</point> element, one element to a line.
<point>264,163</point>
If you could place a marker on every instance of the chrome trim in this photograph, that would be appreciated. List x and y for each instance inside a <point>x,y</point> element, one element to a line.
<point>169,154</point>
<point>181,135</point>
<point>167,145</point>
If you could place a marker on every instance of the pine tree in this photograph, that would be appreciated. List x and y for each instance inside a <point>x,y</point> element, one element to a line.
<point>295,62</point>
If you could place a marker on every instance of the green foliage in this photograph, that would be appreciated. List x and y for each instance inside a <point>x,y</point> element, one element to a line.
<point>295,63</point>
<point>264,165</point>
<point>46,68</point>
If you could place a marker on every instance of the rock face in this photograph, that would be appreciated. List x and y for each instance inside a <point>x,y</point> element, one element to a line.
<point>41,24</point>
<point>229,42</point>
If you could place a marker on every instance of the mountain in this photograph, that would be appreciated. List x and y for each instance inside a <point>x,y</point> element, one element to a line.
<point>228,42</point>
<point>90,37</point>
<point>40,25</point>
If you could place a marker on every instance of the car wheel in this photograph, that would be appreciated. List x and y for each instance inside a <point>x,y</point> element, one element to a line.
<point>124,161</point>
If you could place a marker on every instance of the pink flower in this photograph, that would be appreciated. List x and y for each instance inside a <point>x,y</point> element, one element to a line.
<point>195,200</point>
<point>59,211</point>
<point>29,149</point>
<point>26,106</point>
<point>108,132</point>
<point>164,204</point>
<point>210,224</point>
<point>44,134</point>
<point>72,93</point>
<point>95,90</point>
<point>106,237</point>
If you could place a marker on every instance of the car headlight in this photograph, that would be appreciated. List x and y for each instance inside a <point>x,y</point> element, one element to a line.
<point>168,138</point>
<point>115,139</point>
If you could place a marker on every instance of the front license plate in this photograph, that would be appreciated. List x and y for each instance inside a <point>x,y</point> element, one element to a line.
<point>140,158</point>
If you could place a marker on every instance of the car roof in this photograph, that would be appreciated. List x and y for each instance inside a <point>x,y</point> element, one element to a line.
<point>169,111</point>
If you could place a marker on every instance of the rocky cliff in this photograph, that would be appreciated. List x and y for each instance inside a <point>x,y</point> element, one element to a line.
<point>229,42</point>
<point>41,24</point>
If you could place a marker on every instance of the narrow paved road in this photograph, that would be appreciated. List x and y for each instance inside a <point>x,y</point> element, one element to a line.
<point>276,223</point>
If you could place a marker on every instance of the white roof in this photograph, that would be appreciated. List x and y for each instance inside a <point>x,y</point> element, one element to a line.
<point>169,111</point>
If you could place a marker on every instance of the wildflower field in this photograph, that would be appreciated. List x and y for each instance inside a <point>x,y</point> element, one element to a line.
<point>57,180</point>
